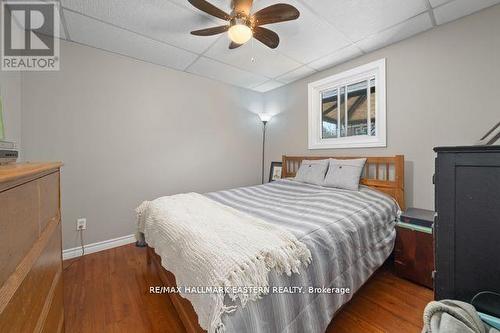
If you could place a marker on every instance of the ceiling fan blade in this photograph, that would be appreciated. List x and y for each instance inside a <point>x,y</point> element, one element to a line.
<point>210,31</point>
<point>267,37</point>
<point>208,8</point>
<point>242,6</point>
<point>276,13</point>
<point>233,45</point>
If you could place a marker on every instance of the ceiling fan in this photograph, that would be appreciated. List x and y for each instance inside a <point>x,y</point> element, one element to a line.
<point>242,25</point>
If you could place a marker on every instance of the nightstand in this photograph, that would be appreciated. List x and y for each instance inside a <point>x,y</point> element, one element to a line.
<point>414,253</point>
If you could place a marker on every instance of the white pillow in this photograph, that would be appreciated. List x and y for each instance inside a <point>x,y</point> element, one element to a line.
<point>312,172</point>
<point>344,174</point>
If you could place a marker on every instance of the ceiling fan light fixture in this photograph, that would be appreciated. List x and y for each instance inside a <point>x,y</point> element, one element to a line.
<point>242,24</point>
<point>240,33</point>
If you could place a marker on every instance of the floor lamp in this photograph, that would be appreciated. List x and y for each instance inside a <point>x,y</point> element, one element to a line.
<point>264,117</point>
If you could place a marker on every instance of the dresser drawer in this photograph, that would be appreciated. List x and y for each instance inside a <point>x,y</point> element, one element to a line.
<point>55,317</point>
<point>28,307</point>
<point>26,209</point>
<point>48,187</point>
<point>19,227</point>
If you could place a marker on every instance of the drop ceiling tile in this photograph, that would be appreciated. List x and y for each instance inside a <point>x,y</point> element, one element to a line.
<point>296,74</point>
<point>307,38</point>
<point>61,34</point>
<point>268,86</point>
<point>358,19</point>
<point>158,19</point>
<point>94,33</point>
<point>395,34</point>
<point>459,8</point>
<point>224,5</point>
<point>267,62</point>
<point>225,73</point>
<point>338,57</point>
<point>436,3</point>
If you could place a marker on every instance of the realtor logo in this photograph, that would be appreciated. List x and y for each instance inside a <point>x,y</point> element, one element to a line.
<point>28,30</point>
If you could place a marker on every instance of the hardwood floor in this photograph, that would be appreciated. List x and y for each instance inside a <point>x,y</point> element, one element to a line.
<point>108,291</point>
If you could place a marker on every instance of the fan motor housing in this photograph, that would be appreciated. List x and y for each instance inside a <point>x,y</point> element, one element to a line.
<point>240,20</point>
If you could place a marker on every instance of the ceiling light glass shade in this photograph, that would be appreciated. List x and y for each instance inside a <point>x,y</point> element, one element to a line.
<point>240,33</point>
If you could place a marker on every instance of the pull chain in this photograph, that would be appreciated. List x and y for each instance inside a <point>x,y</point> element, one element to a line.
<point>253,58</point>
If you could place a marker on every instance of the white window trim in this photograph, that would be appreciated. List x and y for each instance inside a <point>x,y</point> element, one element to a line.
<point>377,69</point>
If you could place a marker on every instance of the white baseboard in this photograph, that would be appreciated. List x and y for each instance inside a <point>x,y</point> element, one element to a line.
<point>99,246</point>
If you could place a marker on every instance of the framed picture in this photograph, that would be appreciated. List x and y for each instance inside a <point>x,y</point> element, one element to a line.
<point>275,173</point>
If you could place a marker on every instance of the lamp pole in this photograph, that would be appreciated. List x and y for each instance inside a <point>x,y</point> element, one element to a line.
<point>264,122</point>
<point>264,117</point>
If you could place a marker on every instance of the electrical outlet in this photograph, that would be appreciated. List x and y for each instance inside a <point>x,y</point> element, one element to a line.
<point>81,224</point>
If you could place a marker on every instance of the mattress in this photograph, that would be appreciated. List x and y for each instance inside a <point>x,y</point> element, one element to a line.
<point>349,233</point>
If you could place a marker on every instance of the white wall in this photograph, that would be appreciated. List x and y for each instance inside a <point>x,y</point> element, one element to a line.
<point>129,131</point>
<point>442,89</point>
<point>10,90</point>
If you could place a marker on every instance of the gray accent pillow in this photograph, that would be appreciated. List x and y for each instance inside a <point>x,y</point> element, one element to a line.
<point>312,172</point>
<point>345,174</point>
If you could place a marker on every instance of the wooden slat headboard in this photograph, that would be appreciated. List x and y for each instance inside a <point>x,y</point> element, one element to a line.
<point>385,174</point>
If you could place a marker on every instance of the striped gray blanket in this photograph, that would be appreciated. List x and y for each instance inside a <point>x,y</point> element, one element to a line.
<point>350,234</point>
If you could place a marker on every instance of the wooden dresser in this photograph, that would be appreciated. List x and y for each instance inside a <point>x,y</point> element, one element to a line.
<point>31,286</point>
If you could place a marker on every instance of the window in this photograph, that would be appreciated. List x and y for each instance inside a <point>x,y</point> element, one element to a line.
<point>347,110</point>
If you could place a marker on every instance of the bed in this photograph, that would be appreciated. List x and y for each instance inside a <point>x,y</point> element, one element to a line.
<point>350,234</point>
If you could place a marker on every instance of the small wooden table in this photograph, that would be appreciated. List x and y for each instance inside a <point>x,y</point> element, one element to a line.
<point>414,253</point>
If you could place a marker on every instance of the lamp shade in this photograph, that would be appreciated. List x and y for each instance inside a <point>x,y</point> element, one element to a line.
<point>265,116</point>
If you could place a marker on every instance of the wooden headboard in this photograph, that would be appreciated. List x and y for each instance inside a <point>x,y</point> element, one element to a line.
<point>385,174</point>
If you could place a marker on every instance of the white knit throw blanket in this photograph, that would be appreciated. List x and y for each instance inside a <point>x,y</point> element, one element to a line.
<point>207,244</point>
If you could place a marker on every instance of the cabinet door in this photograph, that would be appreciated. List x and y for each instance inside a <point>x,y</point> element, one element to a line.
<point>424,258</point>
<point>477,230</point>
<point>444,284</point>
<point>413,256</point>
<point>405,253</point>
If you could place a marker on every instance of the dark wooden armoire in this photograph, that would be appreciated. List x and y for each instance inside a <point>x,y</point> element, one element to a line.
<point>467,225</point>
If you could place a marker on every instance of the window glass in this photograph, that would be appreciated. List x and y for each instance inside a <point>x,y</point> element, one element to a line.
<point>329,114</point>
<point>352,118</point>
<point>357,109</point>
<point>373,104</point>
<point>342,112</point>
